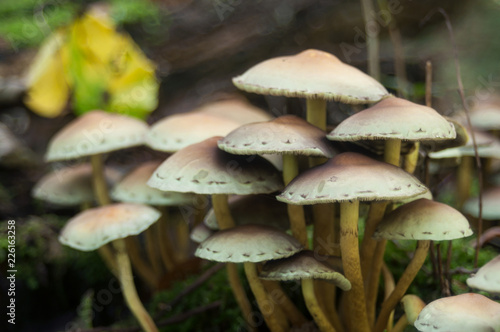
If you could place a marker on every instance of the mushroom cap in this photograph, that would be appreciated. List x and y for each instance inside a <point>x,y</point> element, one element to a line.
<point>487,277</point>
<point>70,186</point>
<point>177,131</point>
<point>96,132</point>
<point>351,176</point>
<point>487,146</point>
<point>491,206</point>
<point>235,109</point>
<point>203,168</point>
<point>253,209</point>
<point>95,227</point>
<point>486,115</point>
<point>133,188</point>
<point>461,313</point>
<point>306,265</point>
<point>200,233</point>
<point>394,118</point>
<point>412,305</point>
<point>311,74</point>
<point>287,134</point>
<point>248,243</point>
<point>423,219</point>
<point>462,138</point>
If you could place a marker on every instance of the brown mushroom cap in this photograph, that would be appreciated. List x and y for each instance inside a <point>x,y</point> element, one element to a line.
<point>133,188</point>
<point>96,132</point>
<point>487,277</point>
<point>311,74</point>
<point>460,313</point>
<point>248,243</point>
<point>423,219</point>
<point>287,134</point>
<point>394,118</point>
<point>491,205</point>
<point>95,227</point>
<point>306,265</point>
<point>203,168</point>
<point>351,176</point>
<point>70,185</point>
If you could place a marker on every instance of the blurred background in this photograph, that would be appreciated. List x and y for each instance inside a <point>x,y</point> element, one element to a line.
<point>196,48</point>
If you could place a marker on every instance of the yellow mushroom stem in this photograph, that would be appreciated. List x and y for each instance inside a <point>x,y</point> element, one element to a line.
<point>349,215</point>
<point>326,242</point>
<point>166,249</point>
<point>225,221</point>
<point>267,308</point>
<point>411,158</point>
<point>373,279</point>
<point>401,324</point>
<point>368,244</point>
<point>128,288</point>
<point>279,297</point>
<point>389,286</point>
<point>143,270</point>
<point>295,212</point>
<point>404,282</point>
<point>99,180</point>
<point>314,308</point>
<point>316,112</point>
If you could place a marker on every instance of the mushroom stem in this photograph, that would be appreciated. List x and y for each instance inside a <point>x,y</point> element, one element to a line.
<point>316,112</point>
<point>129,290</point>
<point>349,215</point>
<point>403,284</point>
<point>401,324</point>
<point>151,249</point>
<point>368,244</point>
<point>389,286</point>
<point>280,298</point>
<point>411,159</point>
<point>464,180</point>
<point>314,308</point>
<point>99,180</point>
<point>166,248</point>
<point>392,150</point>
<point>295,212</point>
<point>374,278</point>
<point>140,266</point>
<point>225,221</point>
<point>108,258</point>
<point>265,305</point>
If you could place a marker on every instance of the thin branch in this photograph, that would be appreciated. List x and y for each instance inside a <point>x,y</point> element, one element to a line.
<point>466,109</point>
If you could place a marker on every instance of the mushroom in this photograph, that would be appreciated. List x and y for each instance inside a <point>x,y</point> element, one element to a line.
<point>70,186</point>
<point>315,75</point>
<point>95,227</point>
<point>288,136</point>
<point>422,220</point>
<point>487,278</point>
<point>203,168</point>
<point>412,306</point>
<point>461,313</point>
<point>349,178</point>
<point>250,244</point>
<point>308,266</point>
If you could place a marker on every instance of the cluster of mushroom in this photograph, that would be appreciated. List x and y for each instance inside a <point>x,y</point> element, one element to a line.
<point>233,152</point>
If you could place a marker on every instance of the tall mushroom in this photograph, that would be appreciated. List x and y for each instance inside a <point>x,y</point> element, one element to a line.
<point>95,227</point>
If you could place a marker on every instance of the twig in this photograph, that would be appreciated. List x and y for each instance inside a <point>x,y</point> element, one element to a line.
<point>168,321</point>
<point>197,283</point>
<point>466,109</point>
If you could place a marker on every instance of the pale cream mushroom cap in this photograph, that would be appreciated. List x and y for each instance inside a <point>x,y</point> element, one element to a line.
<point>203,168</point>
<point>175,132</point>
<point>491,205</point>
<point>95,227</point>
<point>351,176</point>
<point>248,243</point>
<point>70,185</point>
<point>487,278</point>
<point>467,312</point>
<point>423,219</point>
<point>306,265</point>
<point>96,132</point>
<point>133,188</point>
<point>412,305</point>
<point>311,74</point>
<point>200,233</point>
<point>235,109</point>
<point>286,134</point>
<point>394,118</point>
